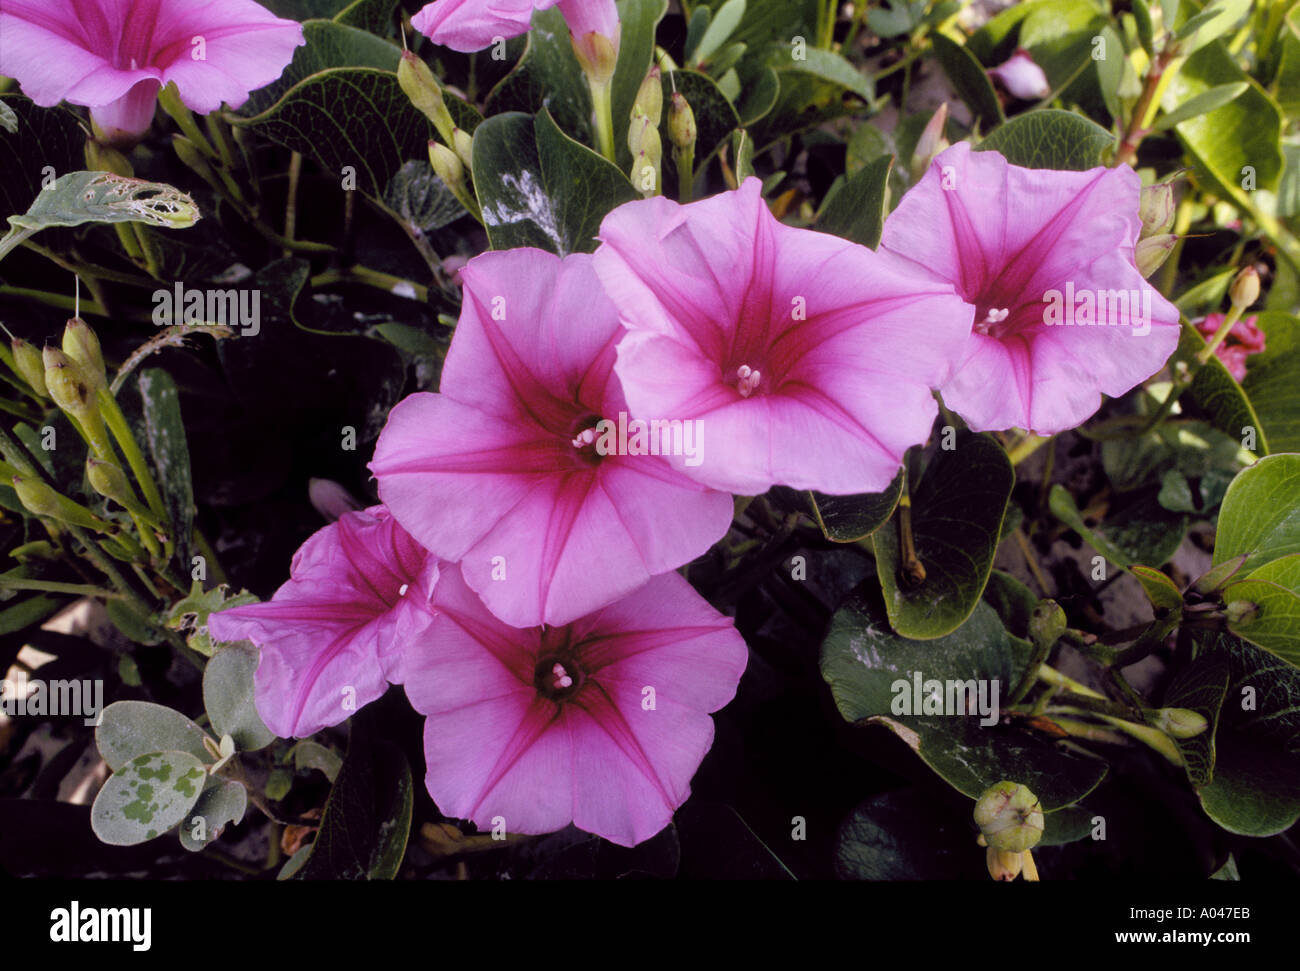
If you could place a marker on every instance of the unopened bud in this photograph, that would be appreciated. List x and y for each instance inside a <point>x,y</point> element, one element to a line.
<point>419,85</point>
<point>110,482</point>
<point>463,142</point>
<point>1047,623</point>
<point>1151,253</point>
<point>30,366</point>
<point>101,157</point>
<point>42,500</point>
<point>681,122</point>
<point>1156,209</point>
<point>330,499</point>
<point>68,385</point>
<point>1010,817</point>
<point>1245,288</point>
<point>81,344</point>
<point>931,142</point>
<point>446,163</point>
<point>650,98</point>
<point>1004,865</point>
<point>1022,77</point>
<point>1179,722</point>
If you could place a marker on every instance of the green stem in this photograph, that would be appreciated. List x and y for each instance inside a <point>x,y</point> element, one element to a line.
<point>54,299</point>
<point>130,448</point>
<point>685,159</point>
<point>53,586</point>
<point>1234,314</point>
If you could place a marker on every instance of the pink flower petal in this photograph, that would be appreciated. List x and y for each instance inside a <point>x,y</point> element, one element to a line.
<point>471,25</point>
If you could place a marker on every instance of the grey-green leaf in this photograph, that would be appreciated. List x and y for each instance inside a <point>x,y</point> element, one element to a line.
<point>229,700</point>
<point>129,729</point>
<point>147,797</point>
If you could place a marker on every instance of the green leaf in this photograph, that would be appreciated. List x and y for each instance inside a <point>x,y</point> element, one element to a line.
<point>43,137</point>
<point>855,207</point>
<point>142,630</point>
<point>905,834</point>
<point>1274,625</point>
<point>847,519</point>
<point>147,797</point>
<point>868,667</point>
<point>8,118</point>
<point>1204,102</point>
<point>170,454</point>
<point>1260,515</point>
<point>1160,590</point>
<point>24,613</point>
<point>228,697</point>
<point>371,15</point>
<point>538,187</point>
<point>312,755</point>
<point>1271,383</point>
<point>367,819</point>
<point>223,801</point>
<point>1012,600</point>
<point>719,28</point>
<point>102,197</point>
<point>190,615</point>
<point>1139,531</point>
<point>548,75</point>
<point>812,90</point>
<point>1256,786</point>
<point>1200,686</point>
<point>1050,139</point>
<point>129,729</point>
<point>1241,135</point>
<point>421,200</point>
<point>1211,23</point>
<point>957,512</point>
<point>967,77</point>
<point>328,44</point>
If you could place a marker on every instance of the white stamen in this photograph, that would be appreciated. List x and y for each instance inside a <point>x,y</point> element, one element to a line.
<point>401,591</point>
<point>564,682</point>
<point>558,669</point>
<point>996,316</point>
<point>584,438</point>
<point>747,380</point>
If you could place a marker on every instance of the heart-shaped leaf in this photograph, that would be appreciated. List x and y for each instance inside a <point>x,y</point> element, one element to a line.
<point>873,674</point>
<point>956,514</point>
<point>1140,530</point>
<point>538,187</point>
<point>847,519</point>
<point>1049,139</point>
<point>966,74</point>
<point>1271,384</point>
<point>1274,621</point>
<point>1260,515</point>
<point>855,207</point>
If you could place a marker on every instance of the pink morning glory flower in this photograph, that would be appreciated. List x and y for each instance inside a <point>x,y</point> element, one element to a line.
<point>359,591</point>
<point>115,55</point>
<point>601,723</point>
<point>520,468</point>
<point>1062,314</point>
<point>471,25</point>
<point>1242,341</point>
<point>806,358</point>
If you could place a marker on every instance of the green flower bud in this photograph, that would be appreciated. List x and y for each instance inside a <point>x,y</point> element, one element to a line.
<point>1010,817</point>
<point>597,55</point>
<point>447,164</point>
<point>419,84</point>
<point>1156,209</point>
<point>39,498</point>
<point>463,142</point>
<point>1047,623</point>
<point>931,142</point>
<point>1151,253</point>
<point>30,366</point>
<point>650,98</point>
<point>68,384</point>
<point>1245,288</point>
<point>110,482</point>
<point>81,344</point>
<point>1179,722</point>
<point>681,122</point>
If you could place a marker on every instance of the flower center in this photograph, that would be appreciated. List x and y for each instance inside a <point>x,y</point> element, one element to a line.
<point>583,440</point>
<point>990,322</point>
<point>747,380</point>
<point>557,678</point>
